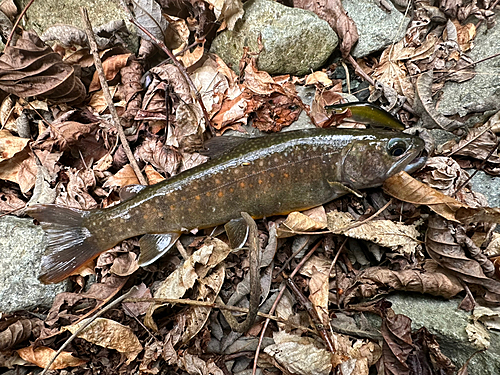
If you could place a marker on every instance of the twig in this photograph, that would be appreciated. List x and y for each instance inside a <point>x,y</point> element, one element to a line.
<point>211,305</point>
<point>7,43</point>
<point>68,341</point>
<point>176,62</point>
<point>312,313</point>
<point>253,255</point>
<point>371,81</point>
<point>107,96</point>
<point>275,304</point>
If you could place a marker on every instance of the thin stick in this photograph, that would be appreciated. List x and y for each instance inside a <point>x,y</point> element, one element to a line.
<point>107,96</point>
<point>17,23</point>
<point>275,304</point>
<point>370,80</point>
<point>68,341</point>
<point>313,314</point>
<point>176,62</point>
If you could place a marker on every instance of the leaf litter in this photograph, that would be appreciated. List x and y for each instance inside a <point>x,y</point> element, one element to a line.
<point>434,236</point>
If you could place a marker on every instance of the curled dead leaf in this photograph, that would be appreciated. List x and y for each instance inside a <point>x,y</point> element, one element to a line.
<point>405,188</point>
<point>33,69</point>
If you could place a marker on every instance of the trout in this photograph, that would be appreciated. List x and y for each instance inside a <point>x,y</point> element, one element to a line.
<point>264,176</point>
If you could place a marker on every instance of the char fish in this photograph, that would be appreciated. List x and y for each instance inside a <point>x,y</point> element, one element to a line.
<point>264,176</point>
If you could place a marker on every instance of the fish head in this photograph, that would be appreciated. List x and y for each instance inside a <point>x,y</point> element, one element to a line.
<point>370,160</point>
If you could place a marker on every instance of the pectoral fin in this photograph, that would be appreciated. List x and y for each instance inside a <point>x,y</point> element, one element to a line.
<point>130,191</point>
<point>341,189</point>
<point>237,233</point>
<point>154,246</point>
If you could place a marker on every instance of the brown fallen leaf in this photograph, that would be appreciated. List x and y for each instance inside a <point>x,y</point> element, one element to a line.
<point>333,12</point>
<point>404,187</point>
<point>396,236</point>
<point>300,355</point>
<point>444,246</point>
<point>10,144</point>
<point>33,69</point>
<point>109,334</point>
<point>297,222</point>
<point>375,281</point>
<point>111,66</point>
<point>125,176</point>
<point>18,331</point>
<point>42,355</point>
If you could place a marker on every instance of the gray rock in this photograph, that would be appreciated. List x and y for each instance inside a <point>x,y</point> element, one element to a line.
<point>376,28</point>
<point>486,83</point>
<point>42,15</point>
<point>22,246</point>
<point>295,40</point>
<point>487,185</point>
<point>444,320</point>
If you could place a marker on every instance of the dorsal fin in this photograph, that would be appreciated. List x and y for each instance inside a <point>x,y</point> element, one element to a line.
<point>130,191</point>
<point>218,145</point>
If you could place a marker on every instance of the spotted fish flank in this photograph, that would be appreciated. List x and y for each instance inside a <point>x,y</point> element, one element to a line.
<point>264,176</point>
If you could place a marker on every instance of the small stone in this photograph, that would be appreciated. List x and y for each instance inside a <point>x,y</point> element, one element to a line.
<point>295,41</point>
<point>377,28</point>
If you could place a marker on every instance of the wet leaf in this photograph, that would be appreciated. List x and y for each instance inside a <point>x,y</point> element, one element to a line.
<point>396,236</point>
<point>111,335</point>
<point>32,69</point>
<point>42,355</point>
<point>299,355</point>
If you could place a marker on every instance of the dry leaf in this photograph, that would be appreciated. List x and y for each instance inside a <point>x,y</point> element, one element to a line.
<point>111,66</point>
<point>197,266</point>
<point>109,334</point>
<point>10,144</point>
<point>319,77</point>
<point>319,288</point>
<point>297,223</point>
<point>42,355</point>
<point>208,290</point>
<point>125,176</point>
<point>405,188</point>
<point>153,176</point>
<point>299,355</point>
<point>396,236</point>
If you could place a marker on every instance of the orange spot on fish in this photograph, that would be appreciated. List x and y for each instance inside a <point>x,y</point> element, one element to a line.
<point>242,184</point>
<point>260,181</point>
<point>183,198</point>
<point>197,197</point>
<point>220,194</point>
<point>208,193</point>
<point>286,175</point>
<point>145,217</point>
<point>301,170</point>
<point>172,207</point>
<point>271,174</point>
<point>231,190</point>
<point>217,181</point>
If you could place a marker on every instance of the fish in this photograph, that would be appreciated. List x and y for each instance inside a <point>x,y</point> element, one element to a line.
<point>265,176</point>
<point>367,113</point>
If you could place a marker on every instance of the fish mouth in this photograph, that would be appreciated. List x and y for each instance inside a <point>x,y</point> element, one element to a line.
<point>416,164</point>
<point>412,161</point>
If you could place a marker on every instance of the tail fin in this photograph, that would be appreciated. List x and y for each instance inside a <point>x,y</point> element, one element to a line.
<point>70,244</point>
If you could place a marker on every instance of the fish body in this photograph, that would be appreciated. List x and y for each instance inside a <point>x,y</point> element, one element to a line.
<point>264,176</point>
<point>367,113</point>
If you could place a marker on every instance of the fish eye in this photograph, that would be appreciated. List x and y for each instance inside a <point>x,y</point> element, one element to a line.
<point>396,147</point>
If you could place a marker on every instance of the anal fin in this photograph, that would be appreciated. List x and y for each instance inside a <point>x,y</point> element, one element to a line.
<point>153,246</point>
